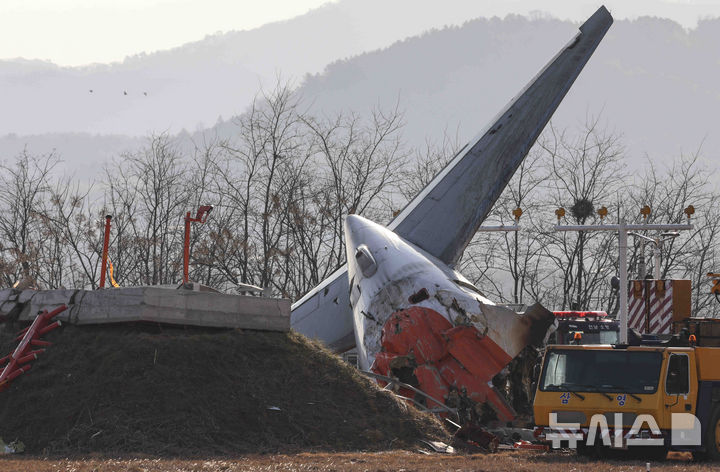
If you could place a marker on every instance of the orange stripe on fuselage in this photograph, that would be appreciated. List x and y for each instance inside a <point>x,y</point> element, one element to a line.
<point>443,356</point>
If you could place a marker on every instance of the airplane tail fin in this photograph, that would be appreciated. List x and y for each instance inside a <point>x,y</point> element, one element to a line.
<point>444,217</point>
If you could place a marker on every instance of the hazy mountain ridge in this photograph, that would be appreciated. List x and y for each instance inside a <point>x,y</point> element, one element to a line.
<point>219,74</point>
<point>215,76</point>
<point>653,80</point>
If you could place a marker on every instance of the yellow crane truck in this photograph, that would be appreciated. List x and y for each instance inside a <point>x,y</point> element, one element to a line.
<point>661,395</point>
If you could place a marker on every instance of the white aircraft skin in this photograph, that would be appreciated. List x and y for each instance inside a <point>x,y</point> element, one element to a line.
<point>444,217</point>
<point>400,296</point>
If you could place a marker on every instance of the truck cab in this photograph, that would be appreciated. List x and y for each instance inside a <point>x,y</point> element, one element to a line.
<point>667,393</point>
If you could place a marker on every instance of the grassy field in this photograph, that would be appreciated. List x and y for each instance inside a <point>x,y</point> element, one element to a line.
<point>360,462</point>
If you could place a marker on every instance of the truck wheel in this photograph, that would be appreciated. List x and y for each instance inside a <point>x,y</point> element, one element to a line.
<point>655,453</point>
<point>712,436</point>
<point>587,451</point>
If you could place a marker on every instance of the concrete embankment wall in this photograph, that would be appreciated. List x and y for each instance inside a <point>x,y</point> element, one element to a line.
<point>150,304</point>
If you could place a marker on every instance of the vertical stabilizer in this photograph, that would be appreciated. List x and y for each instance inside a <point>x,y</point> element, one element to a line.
<point>444,217</point>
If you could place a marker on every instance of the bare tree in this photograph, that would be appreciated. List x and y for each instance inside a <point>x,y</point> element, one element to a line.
<point>148,192</point>
<point>71,246</point>
<point>584,171</point>
<point>668,192</point>
<point>260,170</point>
<point>26,184</point>
<point>359,165</point>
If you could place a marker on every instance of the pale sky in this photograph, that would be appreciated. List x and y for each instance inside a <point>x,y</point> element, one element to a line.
<point>78,32</point>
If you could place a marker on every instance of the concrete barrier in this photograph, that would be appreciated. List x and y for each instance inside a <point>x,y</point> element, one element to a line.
<point>152,304</point>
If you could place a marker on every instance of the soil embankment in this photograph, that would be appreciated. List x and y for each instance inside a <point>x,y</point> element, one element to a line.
<point>172,391</point>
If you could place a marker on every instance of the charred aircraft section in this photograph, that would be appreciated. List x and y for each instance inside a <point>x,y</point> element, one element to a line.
<point>417,319</point>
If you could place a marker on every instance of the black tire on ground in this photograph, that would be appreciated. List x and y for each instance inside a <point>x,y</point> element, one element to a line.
<point>594,452</point>
<point>652,453</point>
<point>587,451</point>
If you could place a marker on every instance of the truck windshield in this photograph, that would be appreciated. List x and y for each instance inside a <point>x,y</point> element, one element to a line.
<point>601,371</point>
<point>601,337</point>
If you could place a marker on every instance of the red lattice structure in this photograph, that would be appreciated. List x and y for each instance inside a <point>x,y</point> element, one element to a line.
<point>18,362</point>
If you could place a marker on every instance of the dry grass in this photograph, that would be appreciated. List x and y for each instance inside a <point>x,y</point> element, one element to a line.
<point>355,462</point>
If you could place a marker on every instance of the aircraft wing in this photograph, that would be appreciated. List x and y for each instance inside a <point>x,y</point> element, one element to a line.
<point>443,218</point>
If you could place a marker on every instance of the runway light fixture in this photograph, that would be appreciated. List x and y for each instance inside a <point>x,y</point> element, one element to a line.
<point>517,213</point>
<point>602,212</point>
<point>689,211</point>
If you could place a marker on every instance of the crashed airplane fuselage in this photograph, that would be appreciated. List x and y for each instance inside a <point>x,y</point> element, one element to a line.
<point>418,320</point>
<point>433,230</point>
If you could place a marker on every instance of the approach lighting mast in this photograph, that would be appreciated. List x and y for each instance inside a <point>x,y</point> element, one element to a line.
<point>623,229</point>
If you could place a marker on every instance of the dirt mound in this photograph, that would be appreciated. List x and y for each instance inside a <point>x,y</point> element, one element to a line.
<point>172,391</point>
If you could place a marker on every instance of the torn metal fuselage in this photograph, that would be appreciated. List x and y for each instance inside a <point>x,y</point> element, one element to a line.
<point>417,319</point>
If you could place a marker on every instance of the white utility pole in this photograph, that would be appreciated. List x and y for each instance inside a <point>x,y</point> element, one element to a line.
<point>517,213</point>
<point>493,229</point>
<point>622,229</point>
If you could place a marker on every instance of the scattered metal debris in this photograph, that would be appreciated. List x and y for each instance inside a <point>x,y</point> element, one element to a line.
<point>473,437</point>
<point>14,447</point>
<point>439,446</point>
